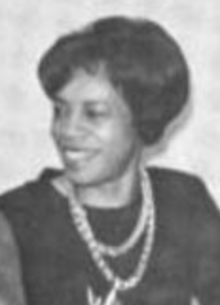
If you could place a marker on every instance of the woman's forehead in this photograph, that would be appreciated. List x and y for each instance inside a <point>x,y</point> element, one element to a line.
<point>84,84</point>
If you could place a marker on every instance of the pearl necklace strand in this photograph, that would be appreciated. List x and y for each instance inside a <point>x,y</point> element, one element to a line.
<point>112,251</point>
<point>115,251</point>
<point>97,252</point>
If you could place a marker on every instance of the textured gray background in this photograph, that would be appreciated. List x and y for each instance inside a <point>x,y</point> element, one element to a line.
<point>27,28</point>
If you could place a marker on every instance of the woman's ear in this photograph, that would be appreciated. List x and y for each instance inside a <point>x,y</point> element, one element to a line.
<point>11,288</point>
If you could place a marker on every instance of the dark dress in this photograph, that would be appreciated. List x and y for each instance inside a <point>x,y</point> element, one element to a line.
<point>57,267</point>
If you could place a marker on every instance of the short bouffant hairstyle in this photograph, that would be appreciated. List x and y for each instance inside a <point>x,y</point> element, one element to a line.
<point>141,59</point>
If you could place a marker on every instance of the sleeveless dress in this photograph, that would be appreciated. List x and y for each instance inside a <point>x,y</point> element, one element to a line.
<point>56,266</point>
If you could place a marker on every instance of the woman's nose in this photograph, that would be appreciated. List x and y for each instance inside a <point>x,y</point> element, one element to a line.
<point>74,126</point>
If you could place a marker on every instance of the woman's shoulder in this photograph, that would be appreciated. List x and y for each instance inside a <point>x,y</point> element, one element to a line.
<point>178,184</point>
<point>29,191</point>
<point>174,177</point>
<point>186,198</point>
<point>181,193</point>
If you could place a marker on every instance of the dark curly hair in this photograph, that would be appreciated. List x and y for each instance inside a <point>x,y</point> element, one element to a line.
<point>141,59</point>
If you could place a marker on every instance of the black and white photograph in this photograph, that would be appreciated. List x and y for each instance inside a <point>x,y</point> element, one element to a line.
<point>109,152</point>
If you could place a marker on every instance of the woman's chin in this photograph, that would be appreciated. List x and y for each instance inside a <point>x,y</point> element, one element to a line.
<point>82,177</point>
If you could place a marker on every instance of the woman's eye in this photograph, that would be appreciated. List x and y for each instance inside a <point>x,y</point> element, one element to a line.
<point>96,113</point>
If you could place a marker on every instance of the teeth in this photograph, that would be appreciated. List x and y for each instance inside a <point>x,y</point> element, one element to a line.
<point>77,155</point>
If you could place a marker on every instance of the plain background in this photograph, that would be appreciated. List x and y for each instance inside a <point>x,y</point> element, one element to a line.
<point>27,29</point>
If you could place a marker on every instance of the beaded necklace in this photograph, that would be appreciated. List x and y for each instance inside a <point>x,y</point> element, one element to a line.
<point>99,250</point>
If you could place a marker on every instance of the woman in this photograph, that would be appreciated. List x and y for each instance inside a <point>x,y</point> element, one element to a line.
<point>106,229</point>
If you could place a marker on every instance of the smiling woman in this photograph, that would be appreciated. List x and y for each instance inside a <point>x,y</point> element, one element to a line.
<point>108,229</point>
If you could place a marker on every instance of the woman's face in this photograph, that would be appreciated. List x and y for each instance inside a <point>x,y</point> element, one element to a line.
<point>93,130</point>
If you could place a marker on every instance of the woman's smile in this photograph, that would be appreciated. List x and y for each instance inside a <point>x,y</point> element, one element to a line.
<point>78,156</point>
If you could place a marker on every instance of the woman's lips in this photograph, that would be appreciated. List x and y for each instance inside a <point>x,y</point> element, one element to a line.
<point>78,155</point>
